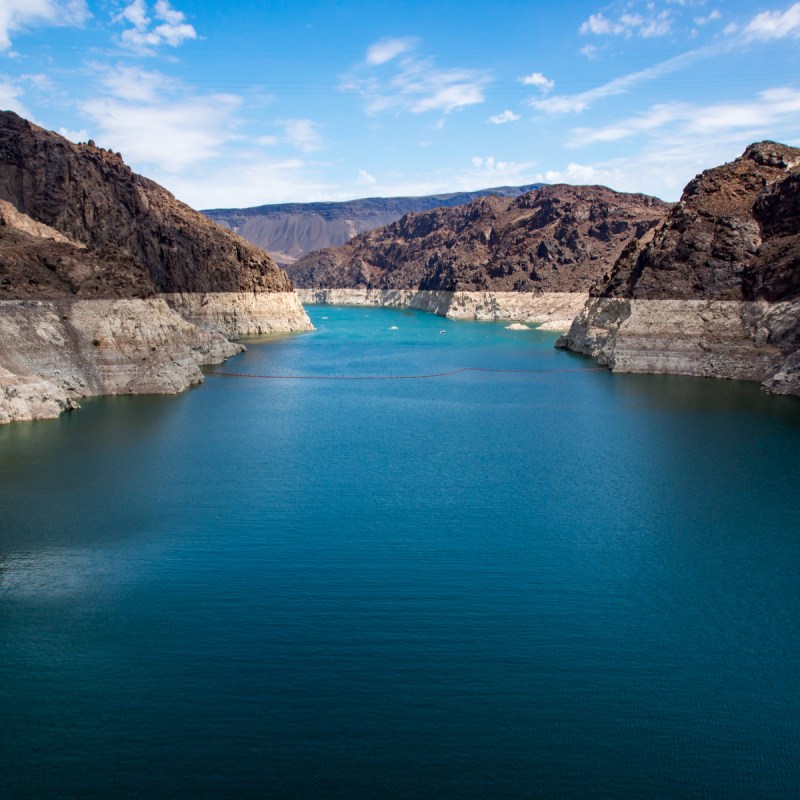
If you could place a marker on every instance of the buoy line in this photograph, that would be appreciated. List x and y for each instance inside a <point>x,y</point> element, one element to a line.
<point>422,376</point>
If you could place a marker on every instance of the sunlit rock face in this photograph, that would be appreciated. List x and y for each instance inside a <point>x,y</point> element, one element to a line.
<point>110,285</point>
<point>714,289</point>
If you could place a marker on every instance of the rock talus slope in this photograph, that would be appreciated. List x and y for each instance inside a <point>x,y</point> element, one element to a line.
<point>714,290</point>
<point>110,285</point>
<point>494,258</point>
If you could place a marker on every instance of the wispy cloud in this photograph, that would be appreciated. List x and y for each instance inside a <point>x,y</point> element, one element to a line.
<point>488,168</point>
<point>575,103</point>
<point>655,23</point>
<point>18,15</point>
<point>302,134</point>
<point>502,119</point>
<point>145,34</point>
<point>417,84</point>
<point>387,49</point>
<point>11,97</point>
<point>156,121</point>
<point>663,165</point>
<point>774,25</point>
<point>770,111</point>
<point>713,16</point>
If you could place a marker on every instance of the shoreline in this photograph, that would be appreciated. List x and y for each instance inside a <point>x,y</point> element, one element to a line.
<point>548,311</point>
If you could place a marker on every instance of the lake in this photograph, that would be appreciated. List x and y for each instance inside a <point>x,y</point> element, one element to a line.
<point>556,583</point>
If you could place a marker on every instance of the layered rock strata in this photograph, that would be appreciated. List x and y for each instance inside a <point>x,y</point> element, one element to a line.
<point>714,290</point>
<point>548,311</point>
<point>529,258</point>
<point>109,285</point>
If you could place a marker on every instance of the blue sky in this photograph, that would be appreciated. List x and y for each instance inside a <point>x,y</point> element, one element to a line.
<point>243,103</point>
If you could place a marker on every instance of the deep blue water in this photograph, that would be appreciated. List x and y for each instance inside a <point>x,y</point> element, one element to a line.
<point>569,584</point>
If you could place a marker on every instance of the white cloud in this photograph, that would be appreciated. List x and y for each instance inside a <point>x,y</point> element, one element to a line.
<point>628,25</point>
<point>768,113</point>
<point>774,25</point>
<point>365,179</point>
<point>10,94</point>
<point>388,49</point>
<point>133,83</point>
<point>74,136</point>
<point>714,16</point>
<point>538,80</point>
<point>418,85</point>
<point>171,135</point>
<point>302,134</point>
<point>249,179</point>
<point>662,166</point>
<point>580,174</point>
<point>488,168</point>
<point>17,15</point>
<point>502,119</point>
<point>155,121</point>
<point>575,103</point>
<point>171,28</point>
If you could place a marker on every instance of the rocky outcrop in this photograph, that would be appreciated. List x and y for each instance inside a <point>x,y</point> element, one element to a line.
<point>556,239</point>
<point>714,290</point>
<point>494,258</point>
<point>109,285</point>
<point>290,230</point>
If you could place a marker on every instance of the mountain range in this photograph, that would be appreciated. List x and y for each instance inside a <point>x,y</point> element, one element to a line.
<point>290,230</point>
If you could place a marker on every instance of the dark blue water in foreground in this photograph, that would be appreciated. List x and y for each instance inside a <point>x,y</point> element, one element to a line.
<point>562,585</point>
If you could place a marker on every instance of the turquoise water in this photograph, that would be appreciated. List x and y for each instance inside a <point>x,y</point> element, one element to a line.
<point>570,584</point>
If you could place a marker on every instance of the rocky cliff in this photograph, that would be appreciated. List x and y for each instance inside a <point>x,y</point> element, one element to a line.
<point>108,284</point>
<point>715,288</point>
<point>491,252</point>
<point>290,230</point>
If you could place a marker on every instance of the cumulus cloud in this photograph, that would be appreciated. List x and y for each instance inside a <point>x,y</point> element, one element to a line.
<point>502,119</point>
<point>628,25</point>
<point>17,15</point>
<point>417,85</point>
<point>774,25</point>
<point>387,49</point>
<point>538,80</point>
<point>365,179</point>
<point>169,26</point>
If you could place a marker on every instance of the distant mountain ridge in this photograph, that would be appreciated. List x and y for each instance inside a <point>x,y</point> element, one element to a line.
<point>291,230</point>
<point>558,238</point>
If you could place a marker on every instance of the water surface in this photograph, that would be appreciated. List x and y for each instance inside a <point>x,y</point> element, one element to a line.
<point>562,584</point>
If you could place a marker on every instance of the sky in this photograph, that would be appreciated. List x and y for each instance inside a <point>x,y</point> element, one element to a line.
<point>242,103</point>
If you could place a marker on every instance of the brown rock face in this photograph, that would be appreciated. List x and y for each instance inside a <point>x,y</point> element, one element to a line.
<point>138,238</point>
<point>556,239</point>
<point>735,235</point>
<point>715,289</point>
